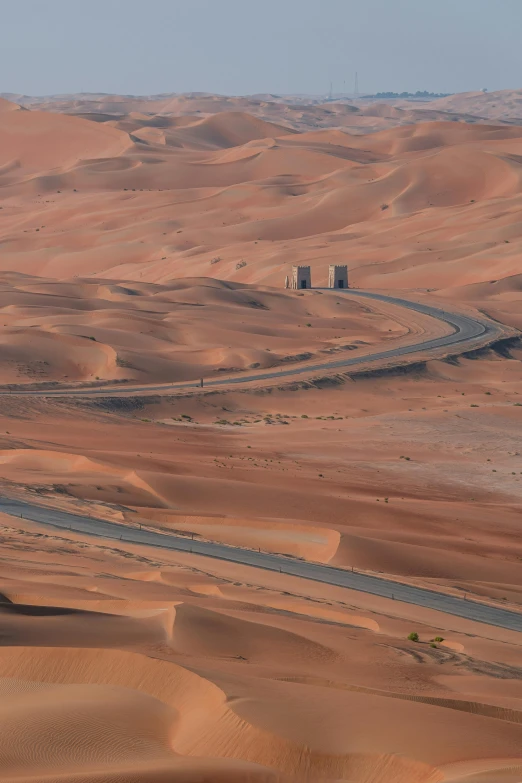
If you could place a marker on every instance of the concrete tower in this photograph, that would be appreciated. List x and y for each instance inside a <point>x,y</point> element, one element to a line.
<point>337,276</point>
<point>301,277</point>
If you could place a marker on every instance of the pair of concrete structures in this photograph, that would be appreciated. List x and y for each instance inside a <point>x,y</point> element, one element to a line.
<point>301,277</point>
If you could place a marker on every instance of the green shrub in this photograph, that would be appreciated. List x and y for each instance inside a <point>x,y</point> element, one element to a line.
<point>438,639</point>
<point>413,636</point>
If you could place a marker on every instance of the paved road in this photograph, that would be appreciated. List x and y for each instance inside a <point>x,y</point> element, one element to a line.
<point>465,330</point>
<point>318,573</point>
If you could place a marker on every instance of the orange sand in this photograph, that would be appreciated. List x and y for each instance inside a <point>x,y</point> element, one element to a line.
<point>148,240</point>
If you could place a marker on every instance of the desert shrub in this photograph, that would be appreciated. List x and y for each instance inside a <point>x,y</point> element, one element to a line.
<point>413,636</point>
<point>438,639</point>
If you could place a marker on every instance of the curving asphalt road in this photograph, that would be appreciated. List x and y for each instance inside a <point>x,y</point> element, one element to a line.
<point>465,330</point>
<point>471,610</point>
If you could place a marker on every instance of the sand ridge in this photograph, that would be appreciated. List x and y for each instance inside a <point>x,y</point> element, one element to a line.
<point>249,695</point>
<point>97,330</point>
<point>146,239</point>
<point>224,194</point>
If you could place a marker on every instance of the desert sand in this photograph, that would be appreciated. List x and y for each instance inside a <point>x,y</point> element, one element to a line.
<point>147,240</point>
<point>92,329</point>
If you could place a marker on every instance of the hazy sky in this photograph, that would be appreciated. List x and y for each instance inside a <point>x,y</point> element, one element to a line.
<point>251,46</point>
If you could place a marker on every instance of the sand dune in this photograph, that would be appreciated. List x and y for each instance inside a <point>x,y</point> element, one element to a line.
<point>160,197</point>
<point>98,330</point>
<point>147,239</point>
<point>361,115</point>
<point>500,104</point>
<point>230,130</point>
<point>36,141</point>
<point>229,694</point>
<point>6,106</point>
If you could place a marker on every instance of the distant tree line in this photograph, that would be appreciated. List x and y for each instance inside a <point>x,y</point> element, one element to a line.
<point>418,94</point>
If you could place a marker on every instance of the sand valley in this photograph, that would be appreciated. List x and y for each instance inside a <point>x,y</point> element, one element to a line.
<point>144,241</point>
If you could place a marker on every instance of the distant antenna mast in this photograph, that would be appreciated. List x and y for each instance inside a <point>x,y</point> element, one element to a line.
<point>331,91</point>
<point>356,85</point>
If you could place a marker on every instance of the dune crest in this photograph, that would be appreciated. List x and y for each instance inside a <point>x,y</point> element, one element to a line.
<point>145,242</point>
